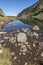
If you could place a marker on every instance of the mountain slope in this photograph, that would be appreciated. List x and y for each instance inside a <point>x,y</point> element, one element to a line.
<point>34,11</point>
<point>33,15</point>
<point>1,12</point>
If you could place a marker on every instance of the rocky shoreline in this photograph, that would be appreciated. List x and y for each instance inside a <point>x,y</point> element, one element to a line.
<point>26,46</point>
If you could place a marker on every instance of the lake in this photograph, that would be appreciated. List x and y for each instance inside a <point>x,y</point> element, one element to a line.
<point>17,25</point>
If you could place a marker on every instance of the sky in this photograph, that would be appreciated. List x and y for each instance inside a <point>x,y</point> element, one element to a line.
<point>13,7</point>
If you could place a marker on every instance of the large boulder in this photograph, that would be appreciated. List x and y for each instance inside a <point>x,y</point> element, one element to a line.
<point>21,37</point>
<point>36,28</point>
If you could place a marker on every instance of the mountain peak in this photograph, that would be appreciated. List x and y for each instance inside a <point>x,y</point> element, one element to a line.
<point>1,12</point>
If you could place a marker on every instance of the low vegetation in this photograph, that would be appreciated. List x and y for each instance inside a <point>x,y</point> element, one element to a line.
<point>7,18</point>
<point>5,59</point>
<point>34,21</point>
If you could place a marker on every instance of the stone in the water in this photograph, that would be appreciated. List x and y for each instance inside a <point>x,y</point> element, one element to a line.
<point>13,25</point>
<point>25,29</point>
<point>21,37</point>
<point>36,28</point>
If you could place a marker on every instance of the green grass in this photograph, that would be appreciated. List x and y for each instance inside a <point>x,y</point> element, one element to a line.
<point>6,56</point>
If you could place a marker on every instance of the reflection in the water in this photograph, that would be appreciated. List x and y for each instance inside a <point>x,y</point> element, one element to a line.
<point>15,25</point>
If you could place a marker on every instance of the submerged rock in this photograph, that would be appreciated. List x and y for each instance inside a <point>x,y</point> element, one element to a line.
<point>36,28</point>
<point>25,29</point>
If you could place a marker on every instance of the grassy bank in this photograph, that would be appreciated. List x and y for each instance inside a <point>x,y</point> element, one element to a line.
<point>7,18</point>
<point>33,21</point>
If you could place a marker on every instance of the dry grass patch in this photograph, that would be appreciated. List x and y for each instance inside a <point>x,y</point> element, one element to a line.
<point>5,58</point>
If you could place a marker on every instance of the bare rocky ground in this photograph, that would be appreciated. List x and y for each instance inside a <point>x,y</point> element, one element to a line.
<point>26,46</point>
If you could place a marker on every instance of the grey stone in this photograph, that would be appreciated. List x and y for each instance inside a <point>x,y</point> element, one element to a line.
<point>21,37</point>
<point>35,34</point>
<point>36,28</point>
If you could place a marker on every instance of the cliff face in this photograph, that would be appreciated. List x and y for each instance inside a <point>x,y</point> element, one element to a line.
<point>2,13</point>
<point>33,11</point>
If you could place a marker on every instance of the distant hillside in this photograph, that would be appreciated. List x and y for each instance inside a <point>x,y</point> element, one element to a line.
<point>34,11</point>
<point>2,13</point>
<point>4,18</point>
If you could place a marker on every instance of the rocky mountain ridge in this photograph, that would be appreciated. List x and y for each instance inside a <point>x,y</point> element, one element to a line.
<point>33,11</point>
